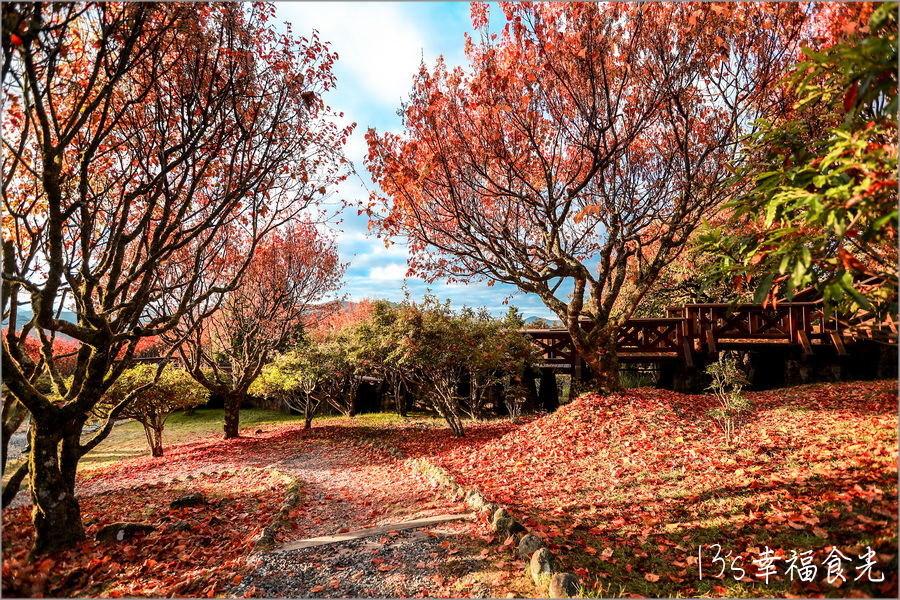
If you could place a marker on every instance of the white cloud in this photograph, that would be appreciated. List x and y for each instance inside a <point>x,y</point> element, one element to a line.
<point>388,272</point>
<point>377,42</point>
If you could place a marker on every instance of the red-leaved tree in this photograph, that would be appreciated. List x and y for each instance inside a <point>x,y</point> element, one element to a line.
<point>579,149</point>
<point>284,290</point>
<point>147,149</point>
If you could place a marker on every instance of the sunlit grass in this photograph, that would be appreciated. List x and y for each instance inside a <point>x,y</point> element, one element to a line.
<point>127,440</point>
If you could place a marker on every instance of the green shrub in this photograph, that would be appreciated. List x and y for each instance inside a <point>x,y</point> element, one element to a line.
<point>727,382</point>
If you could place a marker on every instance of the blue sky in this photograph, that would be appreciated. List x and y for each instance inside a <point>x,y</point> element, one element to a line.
<point>379,47</point>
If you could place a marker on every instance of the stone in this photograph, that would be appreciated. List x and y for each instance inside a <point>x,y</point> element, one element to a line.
<point>265,539</point>
<point>528,545</point>
<point>542,563</point>
<point>501,525</point>
<point>490,508</point>
<point>500,513</point>
<point>564,585</point>
<point>515,528</point>
<point>476,500</point>
<point>121,531</point>
<point>194,499</point>
<point>181,526</point>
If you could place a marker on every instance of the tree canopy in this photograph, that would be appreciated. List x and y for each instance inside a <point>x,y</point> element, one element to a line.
<point>147,150</point>
<point>822,207</point>
<point>579,149</point>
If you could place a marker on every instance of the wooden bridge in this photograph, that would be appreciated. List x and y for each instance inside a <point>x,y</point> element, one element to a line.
<point>695,333</point>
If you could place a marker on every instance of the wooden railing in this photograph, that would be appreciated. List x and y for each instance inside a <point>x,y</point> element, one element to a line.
<point>705,329</point>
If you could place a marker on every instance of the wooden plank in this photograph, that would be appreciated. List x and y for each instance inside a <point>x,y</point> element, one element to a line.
<point>370,531</point>
<point>711,342</point>
<point>807,347</point>
<point>688,354</point>
<point>838,343</point>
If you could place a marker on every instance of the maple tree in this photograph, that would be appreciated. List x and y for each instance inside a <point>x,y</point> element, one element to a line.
<point>147,149</point>
<point>225,344</point>
<point>584,140</point>
<point>822,210</point>
<point>171,390</point>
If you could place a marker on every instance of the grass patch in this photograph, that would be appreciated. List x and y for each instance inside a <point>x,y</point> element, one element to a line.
<point>127,440</point>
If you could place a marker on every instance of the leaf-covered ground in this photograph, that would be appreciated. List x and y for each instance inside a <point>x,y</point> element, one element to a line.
<point>193,552</point>
<point>206,550</point>
<point>625,490</point>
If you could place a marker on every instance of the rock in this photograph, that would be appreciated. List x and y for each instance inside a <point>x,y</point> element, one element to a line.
<point>564,585</point>
<point>265,539</point>
<point>500,513</point>
<point>501,525</point>
<point>490,508</point>
<point>194,499</point>
<point>528,545</point>
<point>516,528</point>
<point>120,531</point>
<point>476,500</point>
<point>181,526</point>
<point>542,563</point>
<point>511,595</point>
<point>258,431</point>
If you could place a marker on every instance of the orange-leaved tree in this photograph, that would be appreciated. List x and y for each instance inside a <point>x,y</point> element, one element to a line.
<point>285,289</point>
<point>147,149</point>
<point>580,148</point>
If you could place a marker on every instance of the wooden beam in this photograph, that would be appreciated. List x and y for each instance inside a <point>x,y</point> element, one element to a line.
<point>804,339</point>
<point>838,343</point>
<point>688,354</point>
<point>711,342</point>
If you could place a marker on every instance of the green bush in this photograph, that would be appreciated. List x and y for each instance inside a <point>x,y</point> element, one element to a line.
<point>727,382</point>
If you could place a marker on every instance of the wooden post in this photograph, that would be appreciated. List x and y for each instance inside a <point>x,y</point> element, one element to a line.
<point>548,395</point>
<point>711,343</point>
<point>807,347</point>
<point>838,343</point>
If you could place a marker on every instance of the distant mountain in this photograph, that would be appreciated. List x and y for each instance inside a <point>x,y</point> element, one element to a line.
<point>24,315</point>
<point>550,324</point>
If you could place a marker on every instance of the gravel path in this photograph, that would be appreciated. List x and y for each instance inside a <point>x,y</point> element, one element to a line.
<point>348,488</point>
<point>413,563</point>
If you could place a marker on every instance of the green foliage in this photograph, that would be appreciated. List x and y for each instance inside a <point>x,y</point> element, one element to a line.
<point>822,206</point>
<point>427,348</point>
<point>633,378</point>
<point>727,382</point>
<point>174,389</point>
<point>293,378</point>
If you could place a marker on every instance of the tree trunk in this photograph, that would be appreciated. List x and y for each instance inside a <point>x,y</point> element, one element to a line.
<point>56,514</point>
<point>307,413</point>
<point>154,439</point>
<point>14,483</point>
<point>232,414</point>
<point>603,361</point>
<point>605,365</point>
<point>399,399</point>
<point>13,416</point>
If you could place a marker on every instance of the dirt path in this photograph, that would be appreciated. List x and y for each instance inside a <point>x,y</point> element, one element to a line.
<point>347,488</point>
